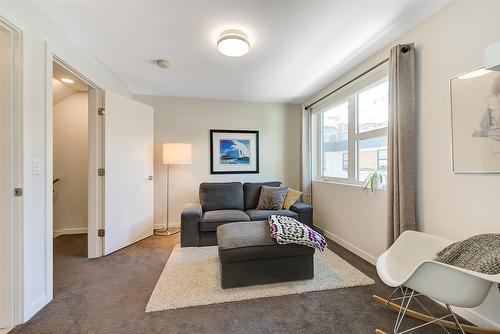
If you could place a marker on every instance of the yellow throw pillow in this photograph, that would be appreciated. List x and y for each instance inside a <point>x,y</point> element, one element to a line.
<point>292,196</point>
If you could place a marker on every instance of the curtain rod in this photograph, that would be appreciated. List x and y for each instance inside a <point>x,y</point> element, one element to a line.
<point>349,82</point>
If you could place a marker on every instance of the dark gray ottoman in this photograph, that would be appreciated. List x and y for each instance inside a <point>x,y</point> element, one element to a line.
<point>249,256</point>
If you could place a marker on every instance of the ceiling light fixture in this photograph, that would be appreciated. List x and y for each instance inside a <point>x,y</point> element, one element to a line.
<point>162,63</point>
<point>66,80</point>
<point>233,43</point>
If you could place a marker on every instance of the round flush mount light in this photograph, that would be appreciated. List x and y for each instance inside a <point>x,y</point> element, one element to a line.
<point>66,80</point>
<point>233,43</point>
<point>162,63</point>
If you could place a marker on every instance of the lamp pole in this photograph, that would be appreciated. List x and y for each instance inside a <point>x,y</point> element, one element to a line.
<point>166,231</point>
<point>173,154</point>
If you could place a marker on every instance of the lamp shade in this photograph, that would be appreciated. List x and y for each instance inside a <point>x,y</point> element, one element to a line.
<point>176,154</point>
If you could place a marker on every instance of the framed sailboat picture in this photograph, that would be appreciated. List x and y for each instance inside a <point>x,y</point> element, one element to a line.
<point>234,152</point>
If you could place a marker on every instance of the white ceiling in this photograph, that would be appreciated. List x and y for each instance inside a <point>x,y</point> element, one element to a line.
<point>297,47</point>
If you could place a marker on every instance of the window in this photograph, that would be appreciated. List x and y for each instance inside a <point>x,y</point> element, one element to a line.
<point>353,132</point>
<point>335,136</point>
<point>345,161</point>
<point>382,160</point>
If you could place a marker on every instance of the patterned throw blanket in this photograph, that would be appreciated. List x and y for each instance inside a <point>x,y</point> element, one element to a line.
<point>287,230</point>
<point>480,253</point>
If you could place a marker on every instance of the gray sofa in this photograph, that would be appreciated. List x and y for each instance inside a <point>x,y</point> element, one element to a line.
<point>222,203</point>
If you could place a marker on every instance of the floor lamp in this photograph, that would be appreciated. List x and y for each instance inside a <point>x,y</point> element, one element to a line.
<point>173,154</point>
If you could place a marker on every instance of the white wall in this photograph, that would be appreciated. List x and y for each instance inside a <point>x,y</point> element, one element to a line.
<point>71,117</point>
<point>189,121</point>
<point>351,217</point>
<point>450,205</point>
<point>39,32</point>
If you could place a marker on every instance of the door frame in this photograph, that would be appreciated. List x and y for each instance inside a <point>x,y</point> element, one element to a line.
<point>13,233</point>
<point>95,189</point>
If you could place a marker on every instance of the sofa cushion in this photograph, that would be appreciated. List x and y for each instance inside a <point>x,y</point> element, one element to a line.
<point>211,219</point>
<point>252,241</point>
<point>221,196</point>
<point>252,192</point>
<point>256,214</point>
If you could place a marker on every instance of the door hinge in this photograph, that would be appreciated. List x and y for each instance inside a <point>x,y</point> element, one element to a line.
<point>18,191</point>
<point>101,111</point>
<point>100,232</point>
<point>101,172</point>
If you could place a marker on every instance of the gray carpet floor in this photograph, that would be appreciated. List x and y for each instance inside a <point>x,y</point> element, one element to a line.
<point>109,295</point>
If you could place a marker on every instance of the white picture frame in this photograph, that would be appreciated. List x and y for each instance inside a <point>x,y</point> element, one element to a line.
<point>475,121</point>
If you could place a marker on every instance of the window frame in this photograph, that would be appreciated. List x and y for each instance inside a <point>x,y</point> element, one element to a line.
<point>350,95</point>
<point>345,162</point>
<point>379,159</point>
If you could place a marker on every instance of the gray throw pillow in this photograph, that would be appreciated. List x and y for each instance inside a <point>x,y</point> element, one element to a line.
<point>272,198</point>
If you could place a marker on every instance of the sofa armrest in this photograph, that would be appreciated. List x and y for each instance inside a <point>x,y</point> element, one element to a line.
<point>190,225</point>
<point>305,212</point>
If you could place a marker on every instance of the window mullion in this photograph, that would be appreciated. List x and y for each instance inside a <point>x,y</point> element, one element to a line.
<point>372,134</point>
<point>351,146</point>
<point>321,145</point>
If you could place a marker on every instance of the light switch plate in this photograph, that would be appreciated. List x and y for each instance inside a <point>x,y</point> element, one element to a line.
<point>36,166</point>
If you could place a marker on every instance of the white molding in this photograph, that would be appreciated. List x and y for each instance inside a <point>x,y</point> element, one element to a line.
<point>49,159</point>
<point>5,330</point>
<point>472,316</point>
<point>77,230</point>
<point>356,250</point>
<point>36,306</point>
<point>475,318</point>
<point>175,225</point>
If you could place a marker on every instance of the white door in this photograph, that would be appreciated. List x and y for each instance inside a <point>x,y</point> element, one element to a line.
<point>128,184</point>
<point>6,178</point>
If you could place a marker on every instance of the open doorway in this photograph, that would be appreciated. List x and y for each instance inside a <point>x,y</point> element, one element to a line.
<point>76,130</point>
<point>70,163</point>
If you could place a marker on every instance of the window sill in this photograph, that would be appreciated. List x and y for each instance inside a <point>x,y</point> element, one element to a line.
<point>347,184</point>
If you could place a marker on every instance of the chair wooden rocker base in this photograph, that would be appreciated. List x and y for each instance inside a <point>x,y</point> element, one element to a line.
<point>424,317</point>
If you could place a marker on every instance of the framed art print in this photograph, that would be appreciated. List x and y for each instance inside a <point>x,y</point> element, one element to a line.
<point>234,152</point>
<point>475,116</point>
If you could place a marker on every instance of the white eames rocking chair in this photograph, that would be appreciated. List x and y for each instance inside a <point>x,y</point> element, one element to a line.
<point>409,267</point>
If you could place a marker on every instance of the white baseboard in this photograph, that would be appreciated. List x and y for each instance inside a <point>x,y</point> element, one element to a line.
<point>175,225</point>
<point>5,330</point>
<point>78,230</point>
<point>36,306</point>
<point>474,317</point>
<point>347,245</point>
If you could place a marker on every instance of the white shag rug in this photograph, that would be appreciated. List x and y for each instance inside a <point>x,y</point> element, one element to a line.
<point>191,278</point>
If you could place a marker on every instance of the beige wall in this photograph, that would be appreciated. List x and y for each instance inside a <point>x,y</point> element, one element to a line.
<point>189,121</point>
<point>71,164</point>
<point>450,205</point>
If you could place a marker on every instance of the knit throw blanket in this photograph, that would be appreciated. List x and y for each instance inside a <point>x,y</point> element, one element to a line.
<point>287,230</point>
<point>480,253</point>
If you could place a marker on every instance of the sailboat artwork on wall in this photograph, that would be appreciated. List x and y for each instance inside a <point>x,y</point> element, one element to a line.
<point>234,151</point>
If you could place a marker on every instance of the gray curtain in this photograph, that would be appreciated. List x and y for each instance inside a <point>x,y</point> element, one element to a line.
<point>401,145</point>
<point>306,158</point>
